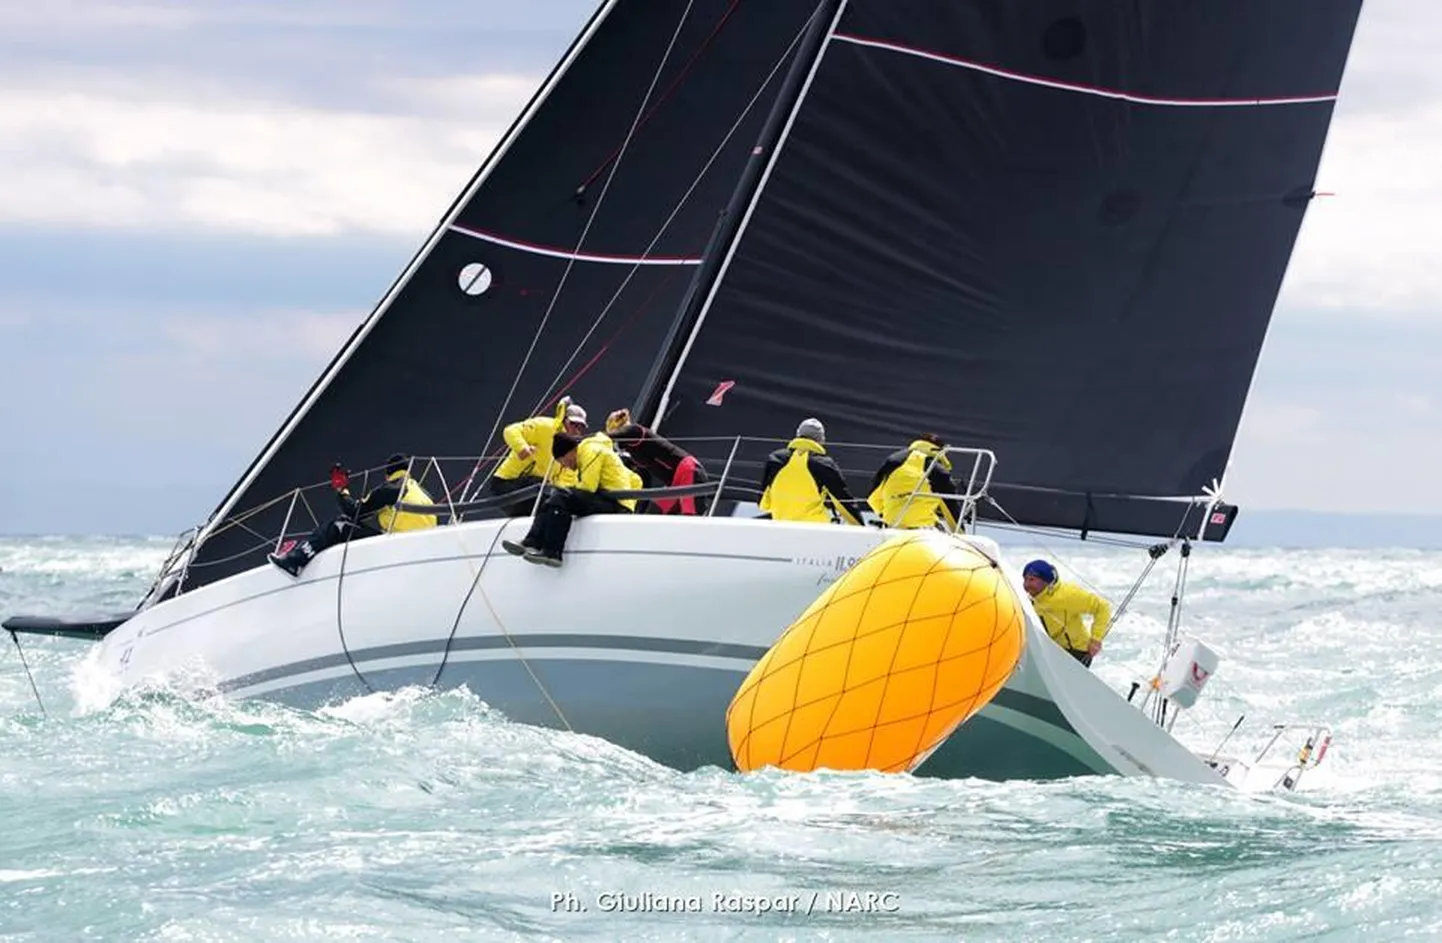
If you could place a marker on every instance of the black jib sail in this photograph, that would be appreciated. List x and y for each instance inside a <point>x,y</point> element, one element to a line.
<point>553,273</point>
<point>1055,229</point>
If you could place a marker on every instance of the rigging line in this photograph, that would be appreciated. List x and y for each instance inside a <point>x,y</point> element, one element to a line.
<point>339,623</point>
<point>26,665</point>
<point>476,584</point>
<point>1156,552</point>
<point>1044,545</point>
<point>1174,622</point>
<point>590,219</point>
<point>641,309</point>
<point>695,182</point>
<point>664,96</point>
<point>465,601</point>
<point>1044,532</point>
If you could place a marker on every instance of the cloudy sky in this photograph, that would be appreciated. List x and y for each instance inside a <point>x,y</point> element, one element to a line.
<point>183,182</point>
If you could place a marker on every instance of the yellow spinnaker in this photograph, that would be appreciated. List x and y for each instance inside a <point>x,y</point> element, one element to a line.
<point>907,645</point>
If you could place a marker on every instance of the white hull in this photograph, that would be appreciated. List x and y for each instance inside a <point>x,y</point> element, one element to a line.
<point>642,638</point>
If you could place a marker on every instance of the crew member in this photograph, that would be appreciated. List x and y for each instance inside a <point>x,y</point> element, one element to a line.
<point>372,516</point>
<point>598,471</point>
<point>1061,608</point>
<point>530,460</point>
<point>800,481</point>
<point>902,493</point>
<point>664,462</point>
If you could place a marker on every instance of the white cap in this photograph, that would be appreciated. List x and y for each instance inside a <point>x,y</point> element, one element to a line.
<point>811,429</point>
<point>575,413</point>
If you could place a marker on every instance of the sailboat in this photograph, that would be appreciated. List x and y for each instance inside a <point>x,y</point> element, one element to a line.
<point>1051,232</point>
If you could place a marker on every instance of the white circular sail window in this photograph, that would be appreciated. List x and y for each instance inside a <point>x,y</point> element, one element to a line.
<point>475,279</point>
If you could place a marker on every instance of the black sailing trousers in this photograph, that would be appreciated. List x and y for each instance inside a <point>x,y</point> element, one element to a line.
<point>552,524</point>
<point>339,530</point>
<point>500,486</point>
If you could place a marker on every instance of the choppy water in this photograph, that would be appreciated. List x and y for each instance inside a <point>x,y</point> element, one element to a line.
<point>422,816</point>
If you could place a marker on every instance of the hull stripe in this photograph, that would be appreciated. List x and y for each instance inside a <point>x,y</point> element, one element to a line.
<point>1037,707</point>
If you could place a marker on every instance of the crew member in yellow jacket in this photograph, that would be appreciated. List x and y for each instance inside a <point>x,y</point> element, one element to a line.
<point>377,513</point>
<point>597,472</point>
<point>902,493</point>
<point>530,459</point>
<point>800,480</point>
<point>1062,606</point>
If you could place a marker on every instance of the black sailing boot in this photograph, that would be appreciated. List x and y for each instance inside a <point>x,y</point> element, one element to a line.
<point>543,557</point>
<point>295,559</point>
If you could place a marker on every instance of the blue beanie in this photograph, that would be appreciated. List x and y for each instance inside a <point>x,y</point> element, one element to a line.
<point>1040,568</point>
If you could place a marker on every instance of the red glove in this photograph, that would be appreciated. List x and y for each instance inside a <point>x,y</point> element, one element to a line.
<point>339,480</point>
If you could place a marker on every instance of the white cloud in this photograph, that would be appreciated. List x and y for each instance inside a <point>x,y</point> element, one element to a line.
<point>16,15</point>
<point>311,336</point>
<point>1375,244</point>
<point>159,159</point>
<point>104,15</point>
<point>150,149</point>
<point>1354,449</point>
<point>213,382</point>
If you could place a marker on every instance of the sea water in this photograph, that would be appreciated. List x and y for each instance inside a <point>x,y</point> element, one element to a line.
<point>425,816</point>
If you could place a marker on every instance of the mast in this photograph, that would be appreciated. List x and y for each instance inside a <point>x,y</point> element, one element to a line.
<point>788,98</point>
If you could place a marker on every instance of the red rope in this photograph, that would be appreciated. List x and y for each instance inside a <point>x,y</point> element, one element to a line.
<point>675,84</point>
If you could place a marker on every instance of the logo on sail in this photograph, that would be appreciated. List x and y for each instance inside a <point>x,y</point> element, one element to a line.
<point>719,392</point>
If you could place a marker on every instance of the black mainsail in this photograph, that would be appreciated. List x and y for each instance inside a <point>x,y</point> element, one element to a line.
<point>1051,228</point>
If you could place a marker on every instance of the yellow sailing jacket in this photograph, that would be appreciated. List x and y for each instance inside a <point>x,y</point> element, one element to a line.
<point>599,468</point>
<point>537,432</point>
<point>1062,606</point>
<point>800,480</point>
<point>901,492</point>
<point>389,519</point>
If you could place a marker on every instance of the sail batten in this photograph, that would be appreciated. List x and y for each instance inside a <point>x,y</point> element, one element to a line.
<point>1098,91</point>
<point>559,253</point>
